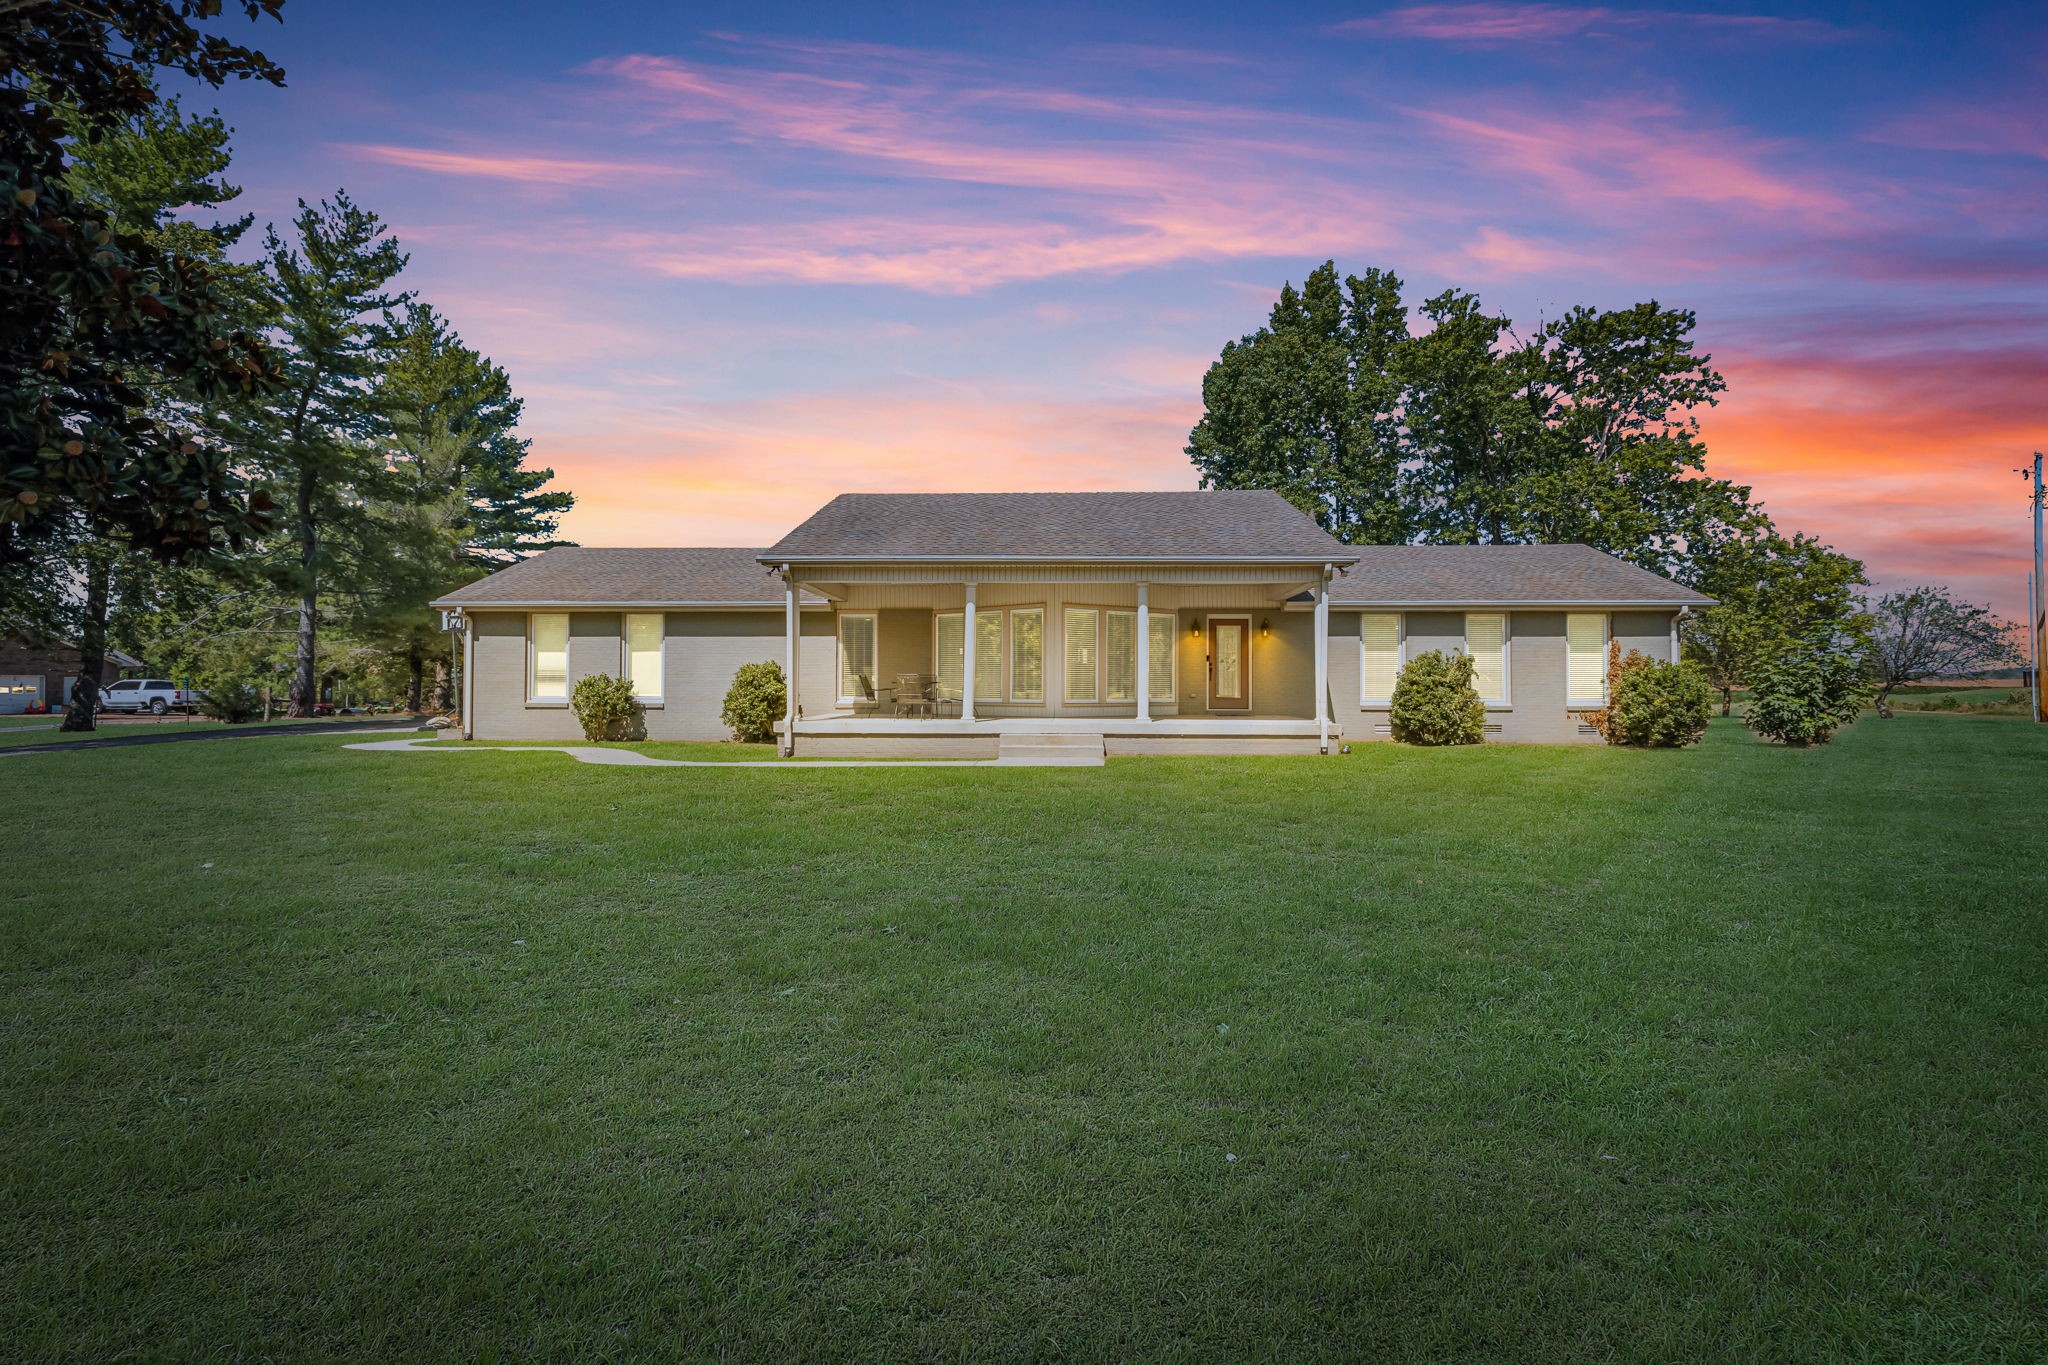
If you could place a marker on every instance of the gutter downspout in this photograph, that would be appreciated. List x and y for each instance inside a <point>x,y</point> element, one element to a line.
<point>468,676</point>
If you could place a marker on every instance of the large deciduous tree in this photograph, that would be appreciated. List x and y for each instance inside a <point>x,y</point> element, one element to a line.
<point>1464,432</point>
<point>141,173</point>
<point>1928,632</point>
<point>1307,406</point>
<point>87,305</point>
<point>1773,594</point>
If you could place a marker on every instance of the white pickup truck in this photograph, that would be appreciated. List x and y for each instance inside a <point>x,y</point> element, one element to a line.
<point>155,695</point>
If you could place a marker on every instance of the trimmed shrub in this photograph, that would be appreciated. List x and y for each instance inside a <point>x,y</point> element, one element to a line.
<point>1656,705</point>
<point>755,701</point>
<point>606,708</point>
<point>1434,701</point>
<point>1807,693</point>
<point>228,699</point>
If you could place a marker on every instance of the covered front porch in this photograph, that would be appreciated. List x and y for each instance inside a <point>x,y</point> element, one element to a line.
<point>975,661</point>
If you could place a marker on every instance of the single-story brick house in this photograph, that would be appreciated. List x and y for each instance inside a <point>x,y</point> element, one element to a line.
<point>1185,622</point>
<point>40,670</point>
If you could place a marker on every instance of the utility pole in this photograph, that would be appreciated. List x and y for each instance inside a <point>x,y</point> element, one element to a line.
<point>2036,627</point>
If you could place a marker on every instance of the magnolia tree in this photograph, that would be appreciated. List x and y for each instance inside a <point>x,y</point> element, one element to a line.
<point>1926,632</point>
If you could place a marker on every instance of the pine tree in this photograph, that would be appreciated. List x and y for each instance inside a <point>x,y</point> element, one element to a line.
<point>325,434</point>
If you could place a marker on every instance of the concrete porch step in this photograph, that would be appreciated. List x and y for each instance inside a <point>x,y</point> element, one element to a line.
<point>1050,750</point>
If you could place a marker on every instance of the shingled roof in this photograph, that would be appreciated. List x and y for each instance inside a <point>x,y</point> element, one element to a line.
<point>580,575</point>
<point>1503,576</point>
<point>1207,525</point>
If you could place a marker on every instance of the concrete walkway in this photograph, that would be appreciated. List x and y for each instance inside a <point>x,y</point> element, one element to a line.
<point>628,758</point>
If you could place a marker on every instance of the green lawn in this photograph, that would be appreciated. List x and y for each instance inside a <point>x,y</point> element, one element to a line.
<point>1507,1053</point>
<point>17,731</point>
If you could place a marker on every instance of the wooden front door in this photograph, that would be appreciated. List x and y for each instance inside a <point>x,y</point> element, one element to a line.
<point>1230,639</point>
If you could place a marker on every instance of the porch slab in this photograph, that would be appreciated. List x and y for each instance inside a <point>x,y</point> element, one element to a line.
<point>845,735</point>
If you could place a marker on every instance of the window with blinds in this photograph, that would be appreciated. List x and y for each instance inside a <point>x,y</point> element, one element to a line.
<point>1585,638</point>
<point>1161,629</point>
<point>952,654</point>
<point>643,654</point>
<point>1486,640</point>
<point>857,651</point>
<point>1379,657</point>
<point>1083,654</point>
<point>1120,656</point>
<point>547,676</point>
<point>1027,655</point>
<point>988,656</point>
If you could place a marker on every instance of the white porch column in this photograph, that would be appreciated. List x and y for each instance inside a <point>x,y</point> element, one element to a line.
<point>1144,655</point>
<point>1323,660</point>
<point>967,653</point>
<point>793,650</point>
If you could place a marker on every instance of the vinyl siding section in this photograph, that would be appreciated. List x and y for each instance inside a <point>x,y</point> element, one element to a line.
<point>1536,712</point>
<point>700,653</point>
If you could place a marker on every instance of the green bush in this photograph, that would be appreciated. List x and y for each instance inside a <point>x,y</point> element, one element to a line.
<point>228,699</point>
<point>606,708</point>
<point>1807,693</point>
<point>755,701</point>
<point>1435,703</point>
<point>1656,705</point>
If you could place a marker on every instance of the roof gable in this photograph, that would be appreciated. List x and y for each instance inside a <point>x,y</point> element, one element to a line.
<point>1209,524</point>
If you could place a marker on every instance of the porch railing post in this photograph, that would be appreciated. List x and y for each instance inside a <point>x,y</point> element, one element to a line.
<point>1144,655</point>
<point>967,652</point>
<point>1323,660</point>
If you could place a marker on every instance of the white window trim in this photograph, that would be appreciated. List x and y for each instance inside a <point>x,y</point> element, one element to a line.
<point>651,700</point>
<point>1001,616</point>
<point>533,698</point>
<point>1505,701</point>
<point>1065,678</point>
<point>1606,640</point>
<point>1400,656</point>
<point>1102,653</point>
<point>839,650</point>
<point>1010,655</point>
<point>1172,618</point>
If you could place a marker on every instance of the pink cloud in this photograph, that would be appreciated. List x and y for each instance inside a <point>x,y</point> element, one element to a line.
<point>526,169</point>
<point>1512,23</point>
<point>1634,157</point>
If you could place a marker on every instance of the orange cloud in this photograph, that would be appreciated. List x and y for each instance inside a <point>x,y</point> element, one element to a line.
<point>739,471</point>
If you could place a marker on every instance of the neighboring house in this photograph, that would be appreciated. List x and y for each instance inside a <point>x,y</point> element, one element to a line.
<point>37,670</point>
<point>1203,622</point>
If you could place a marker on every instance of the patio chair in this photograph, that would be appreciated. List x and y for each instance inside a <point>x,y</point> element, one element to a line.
<point>867,703</point>
<point>914,695</point>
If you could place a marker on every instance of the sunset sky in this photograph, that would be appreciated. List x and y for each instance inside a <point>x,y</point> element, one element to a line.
<point>741,257</point>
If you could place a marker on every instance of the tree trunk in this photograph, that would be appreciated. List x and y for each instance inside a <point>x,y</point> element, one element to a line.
<point>1727,700</point>
<point>416,687</point>
<point>305,684</point>
<point>92,646</point>
<point>444,695</point>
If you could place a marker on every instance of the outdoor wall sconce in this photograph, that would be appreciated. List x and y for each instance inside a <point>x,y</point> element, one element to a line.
<point>1194,630</point>
<point>1265,629</point>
